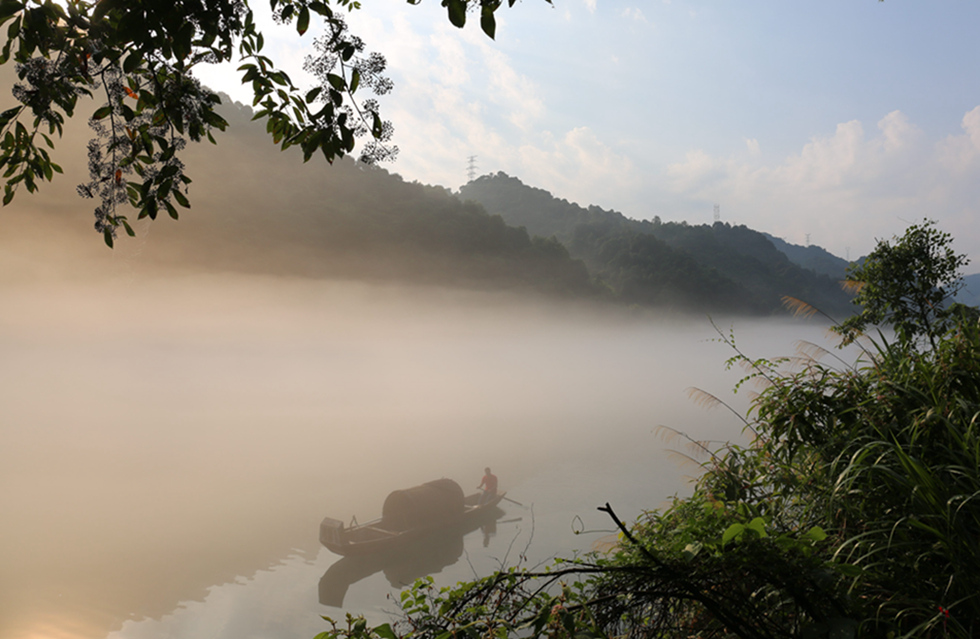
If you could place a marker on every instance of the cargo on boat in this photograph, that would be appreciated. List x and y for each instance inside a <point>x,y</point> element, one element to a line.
<point>406,515</point>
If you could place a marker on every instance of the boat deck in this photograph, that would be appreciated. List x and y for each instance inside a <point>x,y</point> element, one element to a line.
<point>374,536</point>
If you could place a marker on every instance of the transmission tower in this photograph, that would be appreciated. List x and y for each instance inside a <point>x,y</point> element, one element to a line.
<point>471,167</point>
<point>717,212</point>
<point>808,239</point>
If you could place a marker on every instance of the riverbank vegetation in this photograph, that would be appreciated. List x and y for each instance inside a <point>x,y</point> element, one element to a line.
<point>853,511</point>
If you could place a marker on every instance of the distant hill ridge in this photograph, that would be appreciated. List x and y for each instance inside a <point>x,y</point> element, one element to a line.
<point>258,210</point>
<point>970,293</point>
<point>812,257</point>
<point>718,266</point>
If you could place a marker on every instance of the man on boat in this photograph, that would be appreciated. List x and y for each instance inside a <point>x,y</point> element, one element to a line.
<point>489,486</point>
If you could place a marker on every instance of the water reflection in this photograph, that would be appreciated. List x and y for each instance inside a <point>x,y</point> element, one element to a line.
<point>421,557</point>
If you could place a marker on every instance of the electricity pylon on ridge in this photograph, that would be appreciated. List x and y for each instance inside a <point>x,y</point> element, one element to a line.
<point>471,167</point>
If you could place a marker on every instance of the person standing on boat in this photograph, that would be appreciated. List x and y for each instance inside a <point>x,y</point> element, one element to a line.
<point>489,486</point>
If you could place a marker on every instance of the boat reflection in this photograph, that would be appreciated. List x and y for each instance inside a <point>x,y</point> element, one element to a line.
<point>424,556</point>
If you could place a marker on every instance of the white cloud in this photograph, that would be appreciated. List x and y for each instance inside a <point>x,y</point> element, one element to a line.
<point>590,5</point>
<point>960,152</point>
<point>511,90</point>
<point>698,171</point>
<point>452,59</point>
<point>456,94</point>
<point>849,188</point>
<point>634,14</point>
<point>577,166</point>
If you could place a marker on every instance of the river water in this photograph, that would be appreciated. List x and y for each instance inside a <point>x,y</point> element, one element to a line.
<point>171,444</point>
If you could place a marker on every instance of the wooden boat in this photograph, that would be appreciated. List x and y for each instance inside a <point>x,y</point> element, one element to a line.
<point>407,515</point>
<point>427,554</point>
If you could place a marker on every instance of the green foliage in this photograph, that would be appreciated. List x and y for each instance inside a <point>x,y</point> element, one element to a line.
<point>642,269</point>
<point>907,285</point>
<point>854,511</point>
<point>139,56</point>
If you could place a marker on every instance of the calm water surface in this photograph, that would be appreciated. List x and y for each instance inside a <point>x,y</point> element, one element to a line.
<point>170,445</point>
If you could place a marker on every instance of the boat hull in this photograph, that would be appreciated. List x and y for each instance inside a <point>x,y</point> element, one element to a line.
<point>373,539</point>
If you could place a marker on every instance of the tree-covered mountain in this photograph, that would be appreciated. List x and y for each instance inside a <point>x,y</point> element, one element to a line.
<point>257,209</point>
<point>970,293</point>
<point>815,258</point>
<point>358,221</point>
<point>663,262</point>
<point>639,268</point>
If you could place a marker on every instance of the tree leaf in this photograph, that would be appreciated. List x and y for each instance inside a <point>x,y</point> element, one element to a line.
<point>312,94</point>
<point>8,115</point>
<point>132,62</point>
<point>816,534</point>
<point>181,199</point>
<point>849,570</point>
<point>691,550</point>
<point>733,532</point>
<point>9,8</point>
<point>303,21</point>
<point>758,526</point>
<point>488,23</point>
<point>336,81</point>
<point>384,631</point>
<point>457,12</point>
<point>182,42</point>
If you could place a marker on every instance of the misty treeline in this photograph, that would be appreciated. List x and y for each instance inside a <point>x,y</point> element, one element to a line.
<point>853,511</point>
<point>352,220</point>
<point>716,267</point>
<point>259,210</point>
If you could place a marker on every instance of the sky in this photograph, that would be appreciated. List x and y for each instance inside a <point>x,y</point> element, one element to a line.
<point>833,122</point>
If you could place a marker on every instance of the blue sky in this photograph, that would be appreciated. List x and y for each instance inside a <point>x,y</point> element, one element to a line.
<point>844,120</point>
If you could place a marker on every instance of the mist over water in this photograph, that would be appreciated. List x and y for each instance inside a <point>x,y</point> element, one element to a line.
<point>172,442</point>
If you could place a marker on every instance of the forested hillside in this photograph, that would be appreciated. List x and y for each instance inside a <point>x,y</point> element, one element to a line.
<point>663,262</point>
<point>259,210</point>
<point>353,220</point>
<point>814,258</point>
<point>970,293</point>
